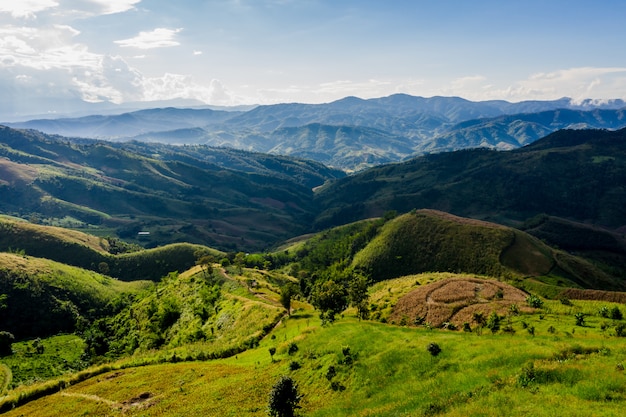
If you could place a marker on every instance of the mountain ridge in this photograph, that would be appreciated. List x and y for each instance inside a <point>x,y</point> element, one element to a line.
<point>422,124</point>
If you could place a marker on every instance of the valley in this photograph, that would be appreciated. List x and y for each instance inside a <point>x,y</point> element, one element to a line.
<point>464,275</point>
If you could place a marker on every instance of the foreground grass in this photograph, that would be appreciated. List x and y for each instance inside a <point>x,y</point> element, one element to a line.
<point>379,370</point>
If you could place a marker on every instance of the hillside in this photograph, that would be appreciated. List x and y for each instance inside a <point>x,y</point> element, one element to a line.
<point>576,175</point>
<point>427,240</point>
<point>226,199</point>
<point>110,256</point>
<point>42,297</point>
<point>537,362</point>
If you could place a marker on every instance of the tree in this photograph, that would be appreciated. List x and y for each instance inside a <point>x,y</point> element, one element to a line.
<point>6,340</point>
<point>283,398</point>
<point>359,298</point>
<point>330,298</point>
<point>286,294</point>
<point>240,260</point>
<point>205,260</point>
<point>272,351</point>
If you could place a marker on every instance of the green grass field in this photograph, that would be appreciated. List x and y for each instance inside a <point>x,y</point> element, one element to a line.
<point>380,370</point>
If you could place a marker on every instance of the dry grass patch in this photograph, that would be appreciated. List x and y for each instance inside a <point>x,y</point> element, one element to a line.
<point>594,295</point>
<point>455,300</point>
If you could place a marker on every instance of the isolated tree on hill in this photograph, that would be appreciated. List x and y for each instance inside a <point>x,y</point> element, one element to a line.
<point>359,298</point>
<point>286,294</point>
<point>330,298</point>
<point>283,398</point>
<point>205,260</point>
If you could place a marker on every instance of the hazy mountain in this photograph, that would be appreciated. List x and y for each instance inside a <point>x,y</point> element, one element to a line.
<point>357,133</point>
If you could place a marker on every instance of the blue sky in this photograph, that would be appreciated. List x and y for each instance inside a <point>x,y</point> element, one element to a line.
<point>228,52</point>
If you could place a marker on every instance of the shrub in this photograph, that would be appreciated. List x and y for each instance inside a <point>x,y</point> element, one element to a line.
<point>330,374</point>
<point>534,301</point>
<point>434,349</point>
<point>616,313</point>
<point>293,348</point>
<point>493,323</point>
<point>284,398</point>
<point>565,301</point>
<point>294,365</point>
<point>603,311</point>
<point>620,330</point>
<point>580,319</point>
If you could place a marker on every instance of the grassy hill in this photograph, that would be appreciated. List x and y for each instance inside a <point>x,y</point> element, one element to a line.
<point>428,240</point>
<point>42,297</point>
<point>90,252</point>
<point>543,364</point>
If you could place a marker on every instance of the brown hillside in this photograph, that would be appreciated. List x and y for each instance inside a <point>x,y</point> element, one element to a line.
<point>595,295</point>
<point>455,300</point>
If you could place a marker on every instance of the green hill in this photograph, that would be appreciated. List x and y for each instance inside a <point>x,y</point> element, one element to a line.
<point>90,252</point>
<point>577,175</point>
<point>42,297</point>
<point>223,198</point>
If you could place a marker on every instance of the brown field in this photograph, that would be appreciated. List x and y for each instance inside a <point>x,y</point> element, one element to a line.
<point>594,295</point>
<point>455,300</point>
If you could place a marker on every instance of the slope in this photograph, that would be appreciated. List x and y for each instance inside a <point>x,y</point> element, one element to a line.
<point>175,194</point>
<point>42,297</point>
<point>427,240</point>
<point>105,255</point>
<point>572,174</point>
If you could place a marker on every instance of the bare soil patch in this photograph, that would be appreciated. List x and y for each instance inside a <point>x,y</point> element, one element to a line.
<point>455,300</point>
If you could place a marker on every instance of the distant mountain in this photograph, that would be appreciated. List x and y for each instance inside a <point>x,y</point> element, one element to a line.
<point>225,198</point>
<point>127,124</point>
<point>350,133</point>
<point>514,131</point>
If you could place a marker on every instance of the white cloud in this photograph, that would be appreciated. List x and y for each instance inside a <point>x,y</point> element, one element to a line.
<point>184,86</point>
<point>577,83</point>
<point>115,6</point>
<point>158,38</point>
<point>26,9</point>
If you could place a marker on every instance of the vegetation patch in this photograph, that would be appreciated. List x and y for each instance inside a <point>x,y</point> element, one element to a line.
<point>456,300</point>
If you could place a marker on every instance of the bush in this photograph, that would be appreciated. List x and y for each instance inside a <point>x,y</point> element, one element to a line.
<point>434,349</point>
<point>293,348</point>
<point>580,319</point>
<point>283,398</point>
<point>616,313</point>
<point>534,301</point>
<point>294,365</point>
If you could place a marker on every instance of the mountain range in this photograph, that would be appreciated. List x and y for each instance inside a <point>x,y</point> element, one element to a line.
<point>351,133</point>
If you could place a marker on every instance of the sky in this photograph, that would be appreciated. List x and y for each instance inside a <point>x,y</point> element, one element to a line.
<point>57,54</point>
